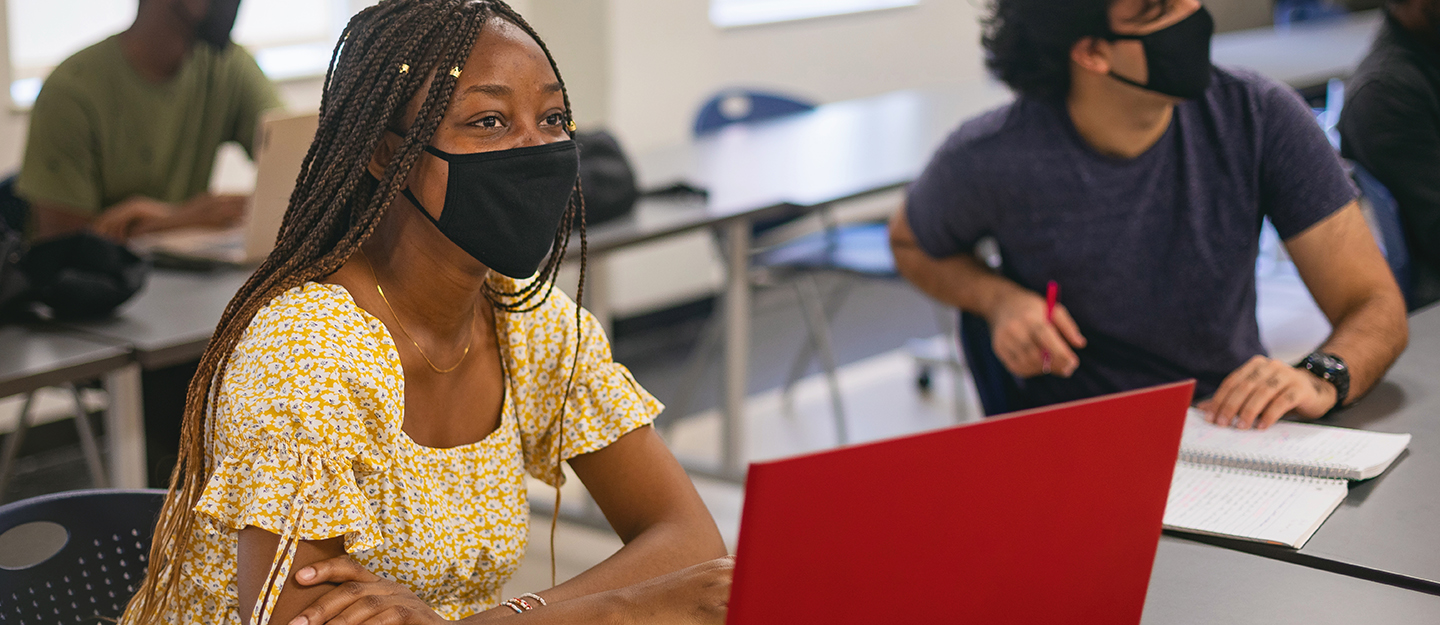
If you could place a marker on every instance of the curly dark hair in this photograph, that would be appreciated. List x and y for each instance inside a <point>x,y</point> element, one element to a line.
<point>1027,42</point>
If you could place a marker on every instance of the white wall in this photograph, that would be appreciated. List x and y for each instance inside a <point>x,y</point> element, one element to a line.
<point>666,59</point>
<point>578,35</point>
<point>1238,14</point>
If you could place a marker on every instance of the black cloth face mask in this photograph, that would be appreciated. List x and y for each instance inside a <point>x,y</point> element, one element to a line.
<point>214,29</point>
<point>504,207</point>
<point>1178,57</point>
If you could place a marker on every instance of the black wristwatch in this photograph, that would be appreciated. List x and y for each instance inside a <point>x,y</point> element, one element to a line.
<point>1332,369</point>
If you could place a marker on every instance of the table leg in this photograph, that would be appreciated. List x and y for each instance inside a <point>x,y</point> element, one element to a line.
<point>125,428</point>
<point>737,346</point>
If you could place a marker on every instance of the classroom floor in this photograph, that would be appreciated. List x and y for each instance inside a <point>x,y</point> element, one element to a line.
<point>878,378</point>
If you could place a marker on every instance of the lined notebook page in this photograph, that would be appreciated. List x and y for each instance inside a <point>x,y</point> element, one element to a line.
<point>1279,509</point>
<point>1356,454</point>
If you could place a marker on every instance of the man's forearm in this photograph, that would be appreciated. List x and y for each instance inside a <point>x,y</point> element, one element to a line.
<point>960,281</point>
<point>52,220</point>
<point>1369,338</point>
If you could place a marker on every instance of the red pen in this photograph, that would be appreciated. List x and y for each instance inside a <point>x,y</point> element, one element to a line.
<point>1052,295</point>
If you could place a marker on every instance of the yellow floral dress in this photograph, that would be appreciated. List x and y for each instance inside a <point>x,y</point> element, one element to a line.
<point>305,441</point>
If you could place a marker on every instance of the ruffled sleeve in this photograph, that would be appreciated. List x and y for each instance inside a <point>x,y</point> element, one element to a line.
<point>284,487</point>
<point>290,434</point>
<point>605,402</point>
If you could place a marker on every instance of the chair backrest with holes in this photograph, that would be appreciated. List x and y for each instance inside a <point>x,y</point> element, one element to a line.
<point>100,565</point>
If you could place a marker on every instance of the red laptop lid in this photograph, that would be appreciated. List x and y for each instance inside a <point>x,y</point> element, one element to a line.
<point>1046,516</point>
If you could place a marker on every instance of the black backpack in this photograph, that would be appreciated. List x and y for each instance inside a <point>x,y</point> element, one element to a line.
<point>606,177</point>
<point>72,277</point>
<point>82,275</point>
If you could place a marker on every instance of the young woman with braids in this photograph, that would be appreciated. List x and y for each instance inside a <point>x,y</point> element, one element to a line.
<point>358,434</point>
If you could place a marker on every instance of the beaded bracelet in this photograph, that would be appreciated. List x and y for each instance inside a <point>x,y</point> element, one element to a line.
<point>520,605</point>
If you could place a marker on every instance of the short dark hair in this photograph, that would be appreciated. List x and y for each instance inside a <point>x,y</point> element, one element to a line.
<point>1027,42</point>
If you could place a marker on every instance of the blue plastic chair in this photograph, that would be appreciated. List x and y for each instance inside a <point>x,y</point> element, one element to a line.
<point>857,250</point>
<point>860,250</point>
<point>98,569</point>
<point>1391,235</point>
<point>748,106</point>
<point>1294,11</point>
<point>739,106</point>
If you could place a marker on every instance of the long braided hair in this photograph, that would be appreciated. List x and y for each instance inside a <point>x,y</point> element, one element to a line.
<point>383,57</point>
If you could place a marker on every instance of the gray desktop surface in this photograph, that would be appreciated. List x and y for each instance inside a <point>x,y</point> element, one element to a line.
<point>172,319</point>
<point>1386,528</point>
<point>35,357</point>
<point>1303,55</point>
<point>1196,584</point>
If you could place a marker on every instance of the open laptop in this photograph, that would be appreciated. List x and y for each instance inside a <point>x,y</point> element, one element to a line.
<point>1045,516</point>
<point>281,143</point>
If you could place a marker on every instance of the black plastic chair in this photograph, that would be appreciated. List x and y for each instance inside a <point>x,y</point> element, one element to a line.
<point>96,571</point>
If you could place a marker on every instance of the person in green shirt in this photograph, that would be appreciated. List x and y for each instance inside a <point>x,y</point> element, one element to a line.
<point>124,133</point>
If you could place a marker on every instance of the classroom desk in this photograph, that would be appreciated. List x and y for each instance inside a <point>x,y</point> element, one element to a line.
<point>1201,584</point>
<point>1304,55</point>
<point>171,321</point>
<point>33,358</point>
<point>168,323</point>
<point>1386,528</point>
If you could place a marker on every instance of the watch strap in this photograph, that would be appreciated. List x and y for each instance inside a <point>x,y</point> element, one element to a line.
<point>1332,369</point>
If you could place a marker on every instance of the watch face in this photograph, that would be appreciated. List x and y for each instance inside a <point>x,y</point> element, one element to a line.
<point>1325,363</point>
<point>1332,370</point>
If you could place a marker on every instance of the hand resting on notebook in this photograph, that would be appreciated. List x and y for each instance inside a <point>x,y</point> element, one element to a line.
<point>1262,391</point>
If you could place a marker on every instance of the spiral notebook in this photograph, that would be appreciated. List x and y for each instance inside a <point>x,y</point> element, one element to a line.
<point>1275,486</point>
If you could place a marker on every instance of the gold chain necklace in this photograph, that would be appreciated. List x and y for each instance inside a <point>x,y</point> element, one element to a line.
<point>381,291</point>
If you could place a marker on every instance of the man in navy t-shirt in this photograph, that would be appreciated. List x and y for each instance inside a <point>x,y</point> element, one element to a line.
<point>1136,176</point>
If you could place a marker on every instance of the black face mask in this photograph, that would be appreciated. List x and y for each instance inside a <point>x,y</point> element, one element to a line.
<point>504,207</point>
<point>214,29</point>
<point>1178,57</point>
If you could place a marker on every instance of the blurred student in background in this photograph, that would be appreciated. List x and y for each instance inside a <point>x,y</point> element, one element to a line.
<point>123,135</point>
<point>1391,126</point>
<point>123,138</point>
<point>1136,175</point>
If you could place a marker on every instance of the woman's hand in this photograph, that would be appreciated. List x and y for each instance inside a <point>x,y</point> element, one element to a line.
<point>362,597</point>
<point>695,595</point>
